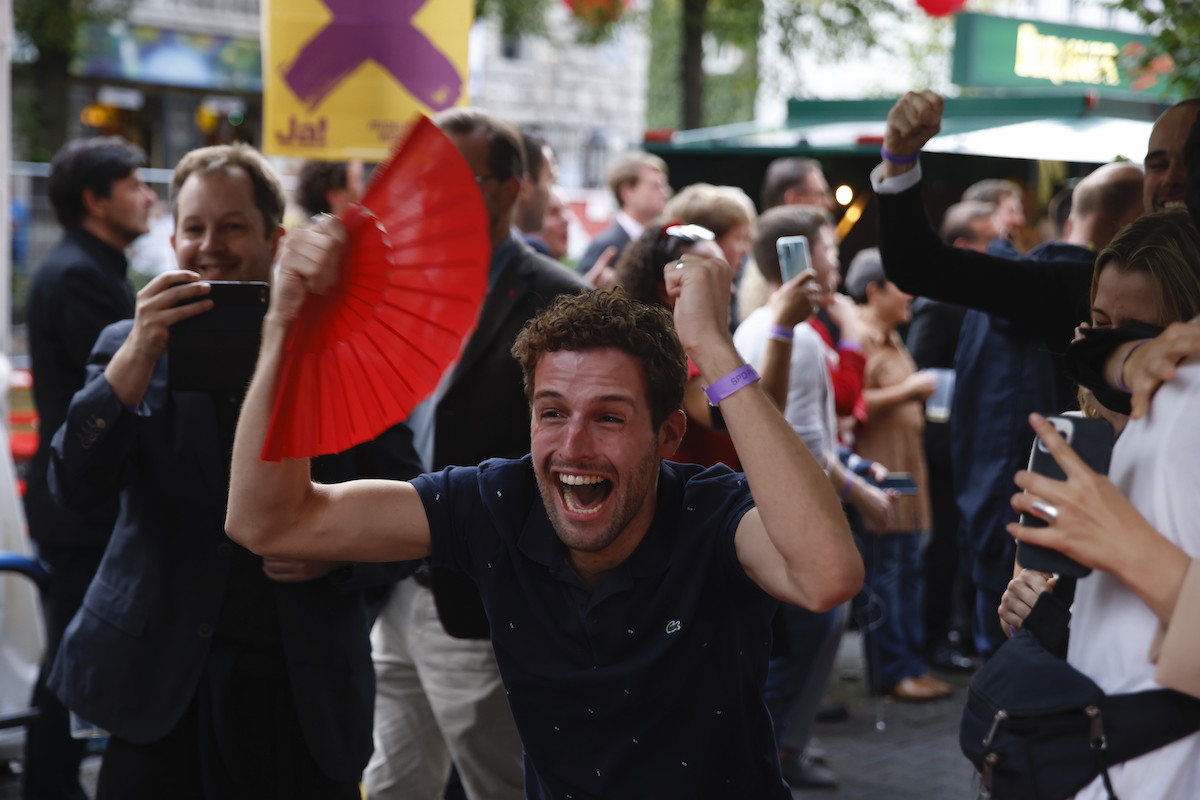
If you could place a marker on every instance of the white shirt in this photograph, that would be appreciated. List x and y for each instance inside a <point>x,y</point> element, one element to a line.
<point>809,407</point>
<point>896,184</point>
<point>629,225</point>
<point>1156,464</point>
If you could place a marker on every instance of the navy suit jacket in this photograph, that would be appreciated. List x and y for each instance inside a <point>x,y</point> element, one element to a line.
<point>612,236</point>
<point>133,656</point>
<point>483,412</point>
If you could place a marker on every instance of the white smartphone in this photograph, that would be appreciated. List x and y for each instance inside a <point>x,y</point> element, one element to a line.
<point>793,256</point>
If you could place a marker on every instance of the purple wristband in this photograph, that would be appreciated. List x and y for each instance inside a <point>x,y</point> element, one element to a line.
<point>1121,369</point>
<point>781,332</point>
<point>740,378</point>
<point>903,161</point>
<point>845,492</point>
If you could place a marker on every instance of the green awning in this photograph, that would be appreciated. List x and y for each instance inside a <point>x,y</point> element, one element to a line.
<point>1081,128</point>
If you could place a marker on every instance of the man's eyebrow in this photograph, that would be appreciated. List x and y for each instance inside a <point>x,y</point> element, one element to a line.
<point>550,394</point>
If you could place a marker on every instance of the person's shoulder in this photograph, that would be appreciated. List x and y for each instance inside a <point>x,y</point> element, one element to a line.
<point>115,332</point>
<point>1061,252</point>
<point>612,236</point>
<point>551,274</point>
<point>1187,376</point>
<point>755,325</point>
<point>709,493</point>
<point>702,481</point>
<point>66,257</point>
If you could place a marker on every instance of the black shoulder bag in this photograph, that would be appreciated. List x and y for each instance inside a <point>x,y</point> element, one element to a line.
<point>1036,728</point>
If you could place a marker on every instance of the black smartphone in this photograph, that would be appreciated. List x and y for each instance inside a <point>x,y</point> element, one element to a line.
<point>216,351</point>
<point>1092,439</point>
<point>899,482</point>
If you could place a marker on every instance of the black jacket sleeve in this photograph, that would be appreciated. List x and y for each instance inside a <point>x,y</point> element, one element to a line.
<point>1040,297</point>
<point>1086,359</point>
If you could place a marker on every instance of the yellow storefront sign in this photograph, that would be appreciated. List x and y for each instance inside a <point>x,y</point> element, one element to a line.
<point>343,78</point>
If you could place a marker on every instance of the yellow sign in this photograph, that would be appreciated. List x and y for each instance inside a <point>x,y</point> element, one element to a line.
<point>343,78</point>
<point>1058,59</point>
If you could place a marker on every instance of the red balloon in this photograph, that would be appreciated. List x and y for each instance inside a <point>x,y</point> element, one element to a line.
<point>941,8</point>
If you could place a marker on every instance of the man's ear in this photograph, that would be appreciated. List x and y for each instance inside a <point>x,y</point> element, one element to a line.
<point>527,188</point>
<point>623,193</point>
<point>510,190</point>
<point>92,203</point>
<point>671,433</point>
<point>275,238</point>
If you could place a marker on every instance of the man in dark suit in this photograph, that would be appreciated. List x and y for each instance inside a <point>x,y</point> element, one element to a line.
<point>1023,312</point>
<point>639,184</point>
<point>79,288</point>
<point>217,673</point>
<point>541,173</point>
<point>439,697</point>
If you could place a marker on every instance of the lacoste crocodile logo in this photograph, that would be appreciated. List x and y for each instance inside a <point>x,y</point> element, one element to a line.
<point>673,626</point>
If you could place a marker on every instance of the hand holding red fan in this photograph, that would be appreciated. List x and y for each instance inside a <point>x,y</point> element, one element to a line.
<point>413,276</point>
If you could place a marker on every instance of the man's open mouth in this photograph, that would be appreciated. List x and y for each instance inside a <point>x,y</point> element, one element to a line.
<point>583,494</point>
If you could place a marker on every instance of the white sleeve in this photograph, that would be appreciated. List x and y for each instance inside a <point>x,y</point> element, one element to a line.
<point>895,185</point>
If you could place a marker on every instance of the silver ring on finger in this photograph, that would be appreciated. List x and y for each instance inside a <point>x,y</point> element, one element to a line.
<point>1047,511</point>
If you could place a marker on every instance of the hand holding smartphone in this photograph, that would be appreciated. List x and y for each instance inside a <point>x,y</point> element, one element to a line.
<point>794,257</point>
<point>1093,440</point>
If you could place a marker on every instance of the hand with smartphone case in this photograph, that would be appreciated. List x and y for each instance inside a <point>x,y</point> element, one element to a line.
<point>217,351</point>
<point>1092,439</point>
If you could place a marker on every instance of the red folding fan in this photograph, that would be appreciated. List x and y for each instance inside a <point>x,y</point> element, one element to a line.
<point>413,276</point>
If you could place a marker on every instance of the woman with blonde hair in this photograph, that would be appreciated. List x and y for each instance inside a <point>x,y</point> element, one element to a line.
<point>719,209</point>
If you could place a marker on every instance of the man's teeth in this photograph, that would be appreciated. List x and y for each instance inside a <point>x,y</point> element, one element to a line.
<point>574,507</point>
<point>1175,204</point>
<point>580,480</point>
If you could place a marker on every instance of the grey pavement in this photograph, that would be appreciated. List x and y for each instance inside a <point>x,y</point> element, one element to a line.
<point>885,750</point>
<point>889,750</point>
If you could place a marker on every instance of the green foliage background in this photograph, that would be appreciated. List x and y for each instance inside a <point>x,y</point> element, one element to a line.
<point>1175,26</point>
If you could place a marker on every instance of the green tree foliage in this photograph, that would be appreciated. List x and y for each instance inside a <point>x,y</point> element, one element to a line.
<point>684,31</point>
<point>594,25</point>
<point>1175,26</point>
<point>517,17</point>
<point>52,29</point>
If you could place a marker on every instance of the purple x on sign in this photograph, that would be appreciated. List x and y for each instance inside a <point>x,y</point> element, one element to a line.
<point>380,30</point>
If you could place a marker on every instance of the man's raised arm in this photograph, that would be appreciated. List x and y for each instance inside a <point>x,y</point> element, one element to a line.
<point>795,544</point>
<point>276,509</point>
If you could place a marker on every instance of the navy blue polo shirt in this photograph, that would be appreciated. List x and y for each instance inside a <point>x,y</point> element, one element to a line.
<point>650,685</point>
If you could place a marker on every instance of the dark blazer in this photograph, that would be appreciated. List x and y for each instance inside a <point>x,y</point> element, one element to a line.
<point>78,289</point>
<point>483,412</point>
<point>133,656</point>
<point>612,236</point>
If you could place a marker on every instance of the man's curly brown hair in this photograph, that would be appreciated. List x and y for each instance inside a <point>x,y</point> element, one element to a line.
<point>610,318</point>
